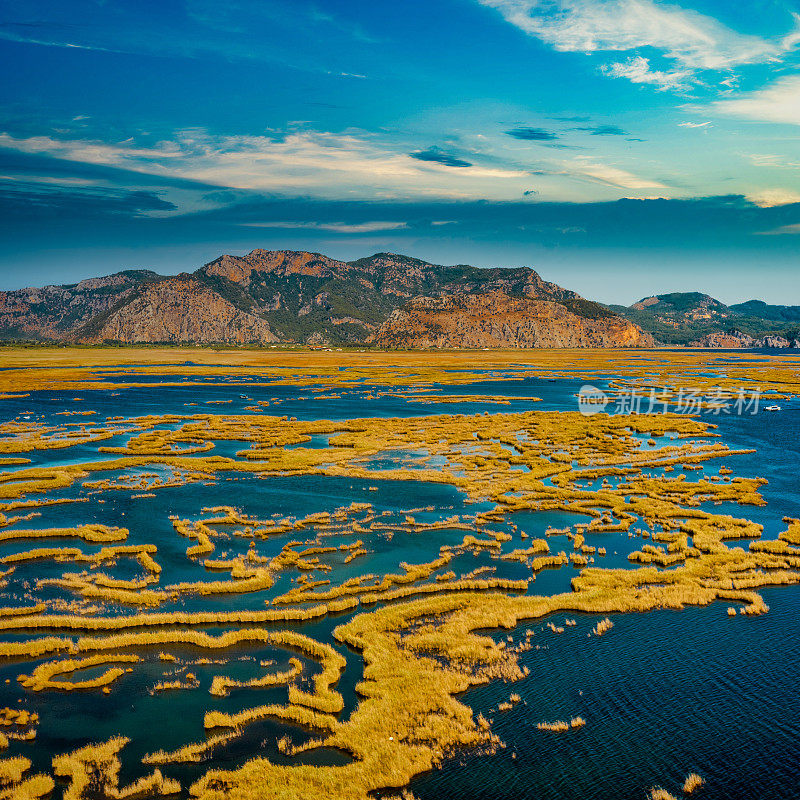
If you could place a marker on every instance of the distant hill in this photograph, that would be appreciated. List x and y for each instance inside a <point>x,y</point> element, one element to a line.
<point>271,296</point>
<point>758,309</point>
<point>687,317</point>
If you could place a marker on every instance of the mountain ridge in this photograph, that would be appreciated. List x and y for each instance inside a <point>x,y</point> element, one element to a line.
<point>270,296</point>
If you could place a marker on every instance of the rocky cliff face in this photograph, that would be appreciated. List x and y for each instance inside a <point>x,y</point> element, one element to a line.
<point>183,310</point>
<point>55,312</point>
<point>497,320</point>
<point>240,269</point>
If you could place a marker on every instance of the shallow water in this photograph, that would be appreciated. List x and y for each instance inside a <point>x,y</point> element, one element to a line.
<point>663,693</point>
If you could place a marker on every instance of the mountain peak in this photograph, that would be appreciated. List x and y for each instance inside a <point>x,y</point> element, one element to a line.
<point>678,301</point>
<point>238,269</point>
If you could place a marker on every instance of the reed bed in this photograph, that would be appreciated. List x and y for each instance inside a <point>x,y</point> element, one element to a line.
<point>30,789</point>
<point>94,770</point>
<point>299,715</point>
<point>560,725</point>
<point>88,533</point>
<point>189,753</point>
<point>221,686</point>
<point>692,783</point>
<point>43,676</point>
<point>12,769</point>
<point>155,620</point>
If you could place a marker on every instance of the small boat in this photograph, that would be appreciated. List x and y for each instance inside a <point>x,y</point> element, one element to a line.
<point>772,408</point>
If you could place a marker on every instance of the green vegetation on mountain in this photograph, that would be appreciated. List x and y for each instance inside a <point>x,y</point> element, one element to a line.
<point>684,317</point>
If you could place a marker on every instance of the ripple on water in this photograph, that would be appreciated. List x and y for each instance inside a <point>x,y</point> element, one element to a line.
<point>664,694</point>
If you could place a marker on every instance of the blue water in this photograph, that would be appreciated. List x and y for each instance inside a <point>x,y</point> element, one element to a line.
<point>664,693</point>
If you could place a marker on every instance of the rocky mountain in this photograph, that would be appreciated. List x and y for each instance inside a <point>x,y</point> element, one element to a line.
<point>157,313</point>
<point>700,320</point>
<point>497,320</point>
<point>58,312</point>
<point>271,296</point>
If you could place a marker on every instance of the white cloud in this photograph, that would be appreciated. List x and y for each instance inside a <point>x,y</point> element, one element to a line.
<point>769,198</point>
<point>779,102</point>
<point>89,152</point>
<point>792,39</point>
<point>693,124</point>
<point>610,176</point>
<point>694,41</point>
<point>328,164</point>
<point>784,229</point>
<point>771,160</point>
<point>637,70</point>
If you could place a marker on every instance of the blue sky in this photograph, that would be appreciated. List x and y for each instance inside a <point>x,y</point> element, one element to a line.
<point>620,147</point>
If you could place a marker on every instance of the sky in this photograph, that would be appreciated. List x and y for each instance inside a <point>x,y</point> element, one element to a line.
<point>622,148</point>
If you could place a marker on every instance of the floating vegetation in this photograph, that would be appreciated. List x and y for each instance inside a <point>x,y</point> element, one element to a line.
<point>693,781</point>
<point>43,676</point>
<point>560,725</point>
<point>602,626</point>
<point>221,685</point>
<point>657,793</point>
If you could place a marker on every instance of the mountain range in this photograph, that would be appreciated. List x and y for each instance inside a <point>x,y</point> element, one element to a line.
<point>271,296</point>
<point>385,300</point>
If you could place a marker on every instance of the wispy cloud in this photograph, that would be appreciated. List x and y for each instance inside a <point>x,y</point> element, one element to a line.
<point>779,102</point>
<point>694,124</point>
<point>784,230</point>
<point>772,160</point>
<point>336,227</point>
<point>293,34</point>
<point>638,70</point>
<point>589,169</point>
<point>11,36</point>
<point>331,164</point>
<point>693,41</point>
